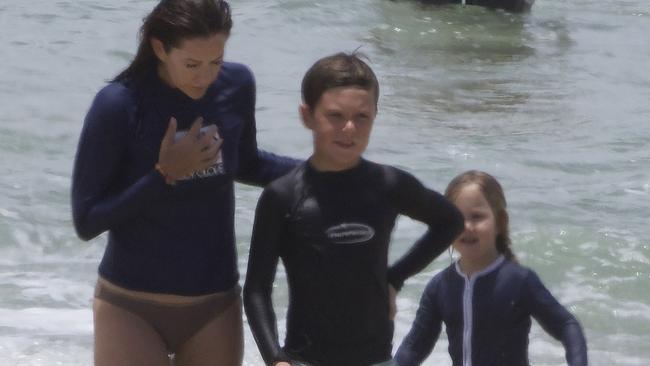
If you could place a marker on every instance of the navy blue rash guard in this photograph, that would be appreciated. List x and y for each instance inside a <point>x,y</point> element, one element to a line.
<point>167,239</point>
<point>488,318</point>
<point>332,232</point>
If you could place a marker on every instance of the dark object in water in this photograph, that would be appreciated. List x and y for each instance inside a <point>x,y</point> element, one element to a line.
<point>509,5</point>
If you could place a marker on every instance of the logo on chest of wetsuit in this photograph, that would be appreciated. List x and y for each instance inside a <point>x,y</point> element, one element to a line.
<point>350,233</point>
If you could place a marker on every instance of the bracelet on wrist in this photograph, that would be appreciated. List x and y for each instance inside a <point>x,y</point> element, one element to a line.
<point>168,179</point>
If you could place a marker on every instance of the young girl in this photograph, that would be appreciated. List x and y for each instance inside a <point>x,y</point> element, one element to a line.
<point>330,221</point>
<point>486,299</point>
<point>147,172</point>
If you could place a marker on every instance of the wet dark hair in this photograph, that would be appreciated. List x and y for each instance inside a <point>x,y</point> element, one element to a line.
<point>337,70</point>
<point>493,193</point>
<point>173,21</point>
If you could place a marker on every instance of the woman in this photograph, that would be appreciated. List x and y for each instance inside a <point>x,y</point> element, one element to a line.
<point>157,158</point>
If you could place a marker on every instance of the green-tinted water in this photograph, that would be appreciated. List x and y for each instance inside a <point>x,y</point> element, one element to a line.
<point>554,103</point>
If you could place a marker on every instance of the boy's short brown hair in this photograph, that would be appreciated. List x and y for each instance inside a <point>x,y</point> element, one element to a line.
<point>337,70</point>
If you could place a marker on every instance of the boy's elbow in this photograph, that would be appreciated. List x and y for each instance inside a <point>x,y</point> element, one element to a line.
<point>251,301</point>
<point>450,228</point>
<point>248,294</point>
<point>457,228</point>
<point>254,295</point>
<point>456,223</point>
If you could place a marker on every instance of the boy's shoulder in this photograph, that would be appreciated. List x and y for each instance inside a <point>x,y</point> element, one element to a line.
<point>286,185</point>
<point>389,173</point>
<point>385,168</point>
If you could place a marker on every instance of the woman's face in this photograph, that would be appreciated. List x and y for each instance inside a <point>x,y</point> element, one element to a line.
<point>192,66</point>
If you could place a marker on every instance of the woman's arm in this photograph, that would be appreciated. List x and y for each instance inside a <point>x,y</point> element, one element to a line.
<point>97,204</point>
<point>100,200</point>
<point>556,320</point>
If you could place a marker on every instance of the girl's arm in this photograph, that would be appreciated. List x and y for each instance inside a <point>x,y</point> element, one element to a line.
<point>97,204</point>
<point>443,218</point>
<point>424,333</point>
<point>556,320</point>
<point>262,264</point>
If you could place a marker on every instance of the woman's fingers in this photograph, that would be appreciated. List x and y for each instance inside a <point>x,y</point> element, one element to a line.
<point>198,149</point>
<point>210,154</point>
<point>195,129</point>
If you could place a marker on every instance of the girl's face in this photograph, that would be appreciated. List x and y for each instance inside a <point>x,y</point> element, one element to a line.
<point>477,243</point>
<point>192,66</point>
<point>341,123</point>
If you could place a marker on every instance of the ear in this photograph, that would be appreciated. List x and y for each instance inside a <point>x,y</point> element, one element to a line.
<point>306,116</point>
<point>158,49</point>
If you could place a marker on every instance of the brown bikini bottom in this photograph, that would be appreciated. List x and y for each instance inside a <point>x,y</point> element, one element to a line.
<point>175,322</point>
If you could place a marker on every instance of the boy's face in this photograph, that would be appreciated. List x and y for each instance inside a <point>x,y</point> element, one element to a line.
<point>341,124</point>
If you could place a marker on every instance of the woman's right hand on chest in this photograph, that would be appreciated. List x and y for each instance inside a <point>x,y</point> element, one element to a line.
<point>194,151</point>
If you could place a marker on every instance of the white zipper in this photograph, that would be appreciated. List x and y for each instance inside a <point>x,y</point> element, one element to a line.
<point>467,320</point>
<point>468,308</point>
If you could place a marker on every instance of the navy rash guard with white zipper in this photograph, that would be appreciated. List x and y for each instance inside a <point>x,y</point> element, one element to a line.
<point>488,318</point>
<point>332,231</point>
<point>164,239</point>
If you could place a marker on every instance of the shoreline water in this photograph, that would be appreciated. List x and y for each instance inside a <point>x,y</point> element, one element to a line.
<point>554,103</point>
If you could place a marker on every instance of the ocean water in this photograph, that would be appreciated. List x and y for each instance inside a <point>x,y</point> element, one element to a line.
<point>554,103</point>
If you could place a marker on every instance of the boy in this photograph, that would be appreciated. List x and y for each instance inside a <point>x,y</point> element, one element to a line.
<point>330,221</point>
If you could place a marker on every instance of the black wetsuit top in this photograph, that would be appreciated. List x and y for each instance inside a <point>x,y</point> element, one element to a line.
<point>178,240</point>
<point>332,231</point>
<point>488,318</point>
